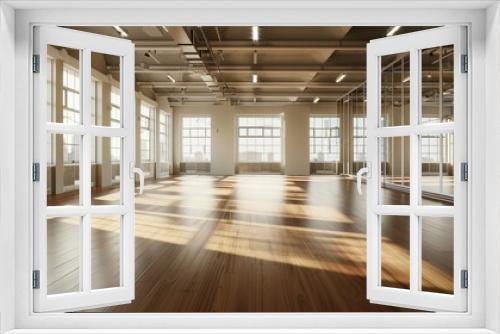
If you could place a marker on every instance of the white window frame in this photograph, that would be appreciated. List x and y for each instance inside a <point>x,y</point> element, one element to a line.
<point>479,317</point>
<point>376,210</point>
<point>150,129</point>
<point>164,137</point>
<point>338,136</point>
<point>260,116</point>
<point>357,137</point>
<point>181,136</point>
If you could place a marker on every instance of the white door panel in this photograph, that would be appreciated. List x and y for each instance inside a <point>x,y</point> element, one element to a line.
<point>411,133</point>
<point>65,127</point>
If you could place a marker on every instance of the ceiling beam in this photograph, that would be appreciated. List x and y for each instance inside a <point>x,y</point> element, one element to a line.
<point>238,84</point>
<point>286,46</point>
<point>250,95</point>
<point>257,69</point>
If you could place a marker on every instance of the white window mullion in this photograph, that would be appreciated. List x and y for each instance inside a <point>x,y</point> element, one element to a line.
<point>85,166</point>
<point>415,166</point>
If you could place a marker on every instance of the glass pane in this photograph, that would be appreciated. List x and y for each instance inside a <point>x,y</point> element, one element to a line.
<point>63,254</point>
<point>437,85</point>
<point>395,251</point>
<point>437,169</point>
<point>106,241</point>
<point>105,94</point>
<point>63,70</point>
<point>106,166</point>
<point>395,90</point>
<point>394,155</point>
<point>437,254</point>
<point>63,169</point>
<point>196,139</point>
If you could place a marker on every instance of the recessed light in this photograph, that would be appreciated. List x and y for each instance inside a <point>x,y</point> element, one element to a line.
<point>254,78</point>
<point>393,30</point>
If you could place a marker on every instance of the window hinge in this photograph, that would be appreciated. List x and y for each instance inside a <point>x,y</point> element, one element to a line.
<point>36,279</point>
<point>36,172</point>
<point>464,171</point>
<point>465,64</point>
<point>464,279</point>
<point>36,63</point>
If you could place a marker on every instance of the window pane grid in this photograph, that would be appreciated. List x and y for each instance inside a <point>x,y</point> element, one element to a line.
<point>196,139</point>
<point>259,139</point>
<point>359,138</point>
<point>324,139</point>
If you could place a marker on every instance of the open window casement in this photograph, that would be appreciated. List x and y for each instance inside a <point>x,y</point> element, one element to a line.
<point>69,272</point>
<point>422,60</point>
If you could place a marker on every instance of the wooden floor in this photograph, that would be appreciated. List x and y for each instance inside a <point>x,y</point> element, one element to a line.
<point>251,243</point>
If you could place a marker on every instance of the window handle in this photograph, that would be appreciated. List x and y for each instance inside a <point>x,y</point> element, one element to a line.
<point>359,175</point>
<point>139,172</point>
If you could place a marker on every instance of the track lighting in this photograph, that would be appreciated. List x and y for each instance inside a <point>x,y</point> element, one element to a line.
<point>254,78</point>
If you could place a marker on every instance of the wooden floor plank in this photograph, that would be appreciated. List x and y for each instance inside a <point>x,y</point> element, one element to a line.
<point>254,243</point>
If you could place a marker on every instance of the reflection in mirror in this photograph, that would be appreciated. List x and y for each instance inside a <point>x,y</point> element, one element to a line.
<point>437,85</point>
<point>395,90</point>
<point>437,254</point>
<point>394,155</point>
<point>395,251</point>
<point>106,98</point>
<point>105,172</point>
<point>63,169</point>
<point>106,243</point>
<point>63,254</point>
<point>63,85</point>
<point>437,168</point>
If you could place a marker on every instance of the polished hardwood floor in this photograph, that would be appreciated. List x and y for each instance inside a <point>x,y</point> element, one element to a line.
<point>250,243</point>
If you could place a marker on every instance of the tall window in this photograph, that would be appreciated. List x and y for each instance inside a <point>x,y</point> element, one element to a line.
<point>259,139</point>
<point>196,139</point>
<point>115,122</point>
<point>324,139</point>
<point>163,137</point>
<point>71,112</point>
<point>147,132</point>
<point>359,138</point>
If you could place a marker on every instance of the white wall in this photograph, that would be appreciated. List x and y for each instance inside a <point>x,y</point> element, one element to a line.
<point>492,174</point>
<point>7,170</point>
<point>224,151</point>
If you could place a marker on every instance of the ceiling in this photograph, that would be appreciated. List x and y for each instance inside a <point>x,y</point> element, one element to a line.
<point>215,65</point>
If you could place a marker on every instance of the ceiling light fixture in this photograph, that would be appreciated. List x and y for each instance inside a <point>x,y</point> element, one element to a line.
<point>406,79</point>
<point>121,31</point>
<point>254,78</point>
<point>393,30</point>
<point>340,77</point>
<point>171,78</point>
<point>255,33</point>
<point>316,100</point>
